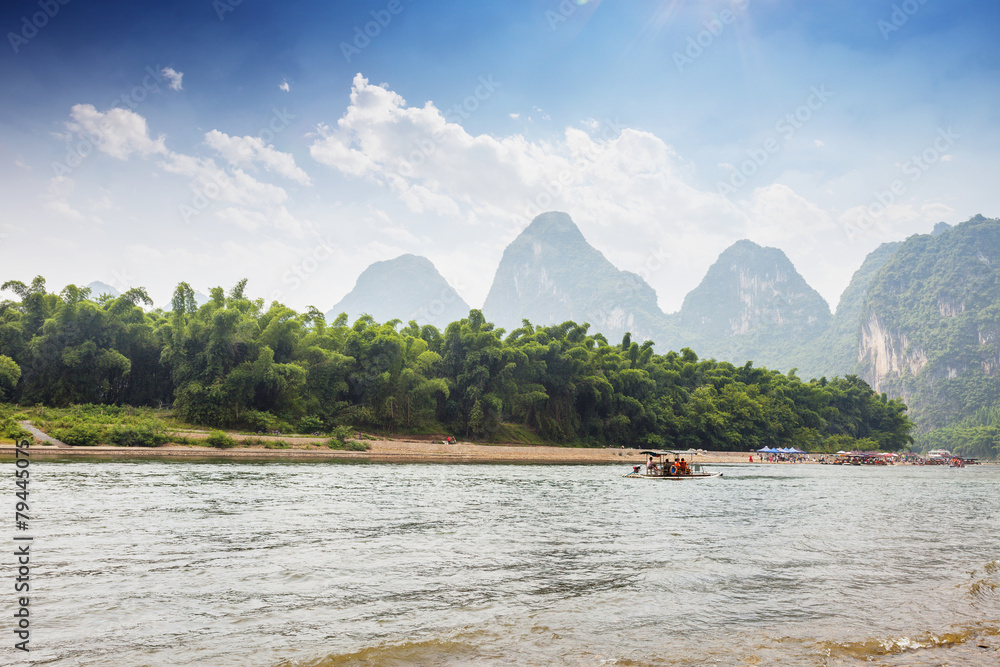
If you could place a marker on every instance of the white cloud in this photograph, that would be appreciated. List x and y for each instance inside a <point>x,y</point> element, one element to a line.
<point>57,200</point>
<point>117,132</point>
<point>277,217</point>
<point>104,203</point>
<point>629,191</point>
<point>893,222</point>
<point>459,197</point>
<point>244,151</point>
<point>241,217</point>
<point>122,133</point>
<point>284,85</point>
<point>778,216</point>
<point>63,209</point>
<point>173,77</point>
<point>232,185</point>
<point>628,185</point>
<point>515,116</point>
<point>434,165</point>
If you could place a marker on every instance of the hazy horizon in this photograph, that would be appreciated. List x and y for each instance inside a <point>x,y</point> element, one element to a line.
<point>295,145</point>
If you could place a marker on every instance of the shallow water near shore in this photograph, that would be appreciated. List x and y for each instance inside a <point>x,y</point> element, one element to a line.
<point>188,563</point>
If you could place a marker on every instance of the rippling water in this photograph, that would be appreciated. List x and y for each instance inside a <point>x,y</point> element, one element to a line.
<point>314,564</point>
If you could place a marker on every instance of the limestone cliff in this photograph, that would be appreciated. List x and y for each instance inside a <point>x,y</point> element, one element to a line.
<point>835,351</point>
<point>550,274</point>
<point>751,305</point>
<point>931,323</point>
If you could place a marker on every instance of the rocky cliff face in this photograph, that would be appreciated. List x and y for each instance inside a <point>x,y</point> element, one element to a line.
<point>550,274</point>
<point>835,351</point>
<point>931,322</point>
<point>748,288</point>
<point>752,304</point>
<point>406,288</point>
<point>885,353</point>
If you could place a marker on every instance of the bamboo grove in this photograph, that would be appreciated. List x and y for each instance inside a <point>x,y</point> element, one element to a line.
<point>233,363</point>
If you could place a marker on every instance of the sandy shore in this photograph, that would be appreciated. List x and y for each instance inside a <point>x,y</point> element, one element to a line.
<point>395,450</point>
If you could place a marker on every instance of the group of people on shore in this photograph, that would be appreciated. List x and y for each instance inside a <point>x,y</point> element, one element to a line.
<point>781,458</point>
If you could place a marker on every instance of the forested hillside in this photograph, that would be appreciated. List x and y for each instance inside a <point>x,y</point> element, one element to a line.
<point>234,362</point>
<point>930,331</point>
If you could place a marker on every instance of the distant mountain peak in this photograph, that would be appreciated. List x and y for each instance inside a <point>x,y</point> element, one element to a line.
<point>549,274</point>
<point>97,288</point>
<point>554,224</point>
<point>744,245</point>
<point>941,228</point>
<point>752,289</point>
<point>408,287</point>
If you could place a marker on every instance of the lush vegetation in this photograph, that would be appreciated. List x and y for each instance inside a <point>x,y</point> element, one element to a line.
<point>835,351</point>
<point>88,425</point>
<point>976,436</point>
<point>232,363</point>
<point>936,300</point>
<point>940,296</point>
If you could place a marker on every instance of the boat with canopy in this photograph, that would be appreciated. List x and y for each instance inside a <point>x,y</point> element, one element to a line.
<point>659,466</point>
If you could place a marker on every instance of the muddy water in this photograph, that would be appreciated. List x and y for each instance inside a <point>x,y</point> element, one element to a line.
<point>160,563</point>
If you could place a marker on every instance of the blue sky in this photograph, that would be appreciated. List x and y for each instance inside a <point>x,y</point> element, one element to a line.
<point>142,144</point>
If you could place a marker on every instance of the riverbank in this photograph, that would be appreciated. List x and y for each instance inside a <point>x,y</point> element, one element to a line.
<point>383,450</point>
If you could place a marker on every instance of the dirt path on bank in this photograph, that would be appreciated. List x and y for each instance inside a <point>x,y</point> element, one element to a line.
<point>43,437</point>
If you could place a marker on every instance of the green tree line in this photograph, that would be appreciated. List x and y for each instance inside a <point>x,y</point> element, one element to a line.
<point>976,436</point>
<point>231,362</point>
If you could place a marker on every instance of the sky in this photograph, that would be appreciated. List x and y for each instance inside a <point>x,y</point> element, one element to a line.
<point>295,143</point>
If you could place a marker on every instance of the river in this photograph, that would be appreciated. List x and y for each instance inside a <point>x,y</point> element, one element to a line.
<point>315,564</point>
